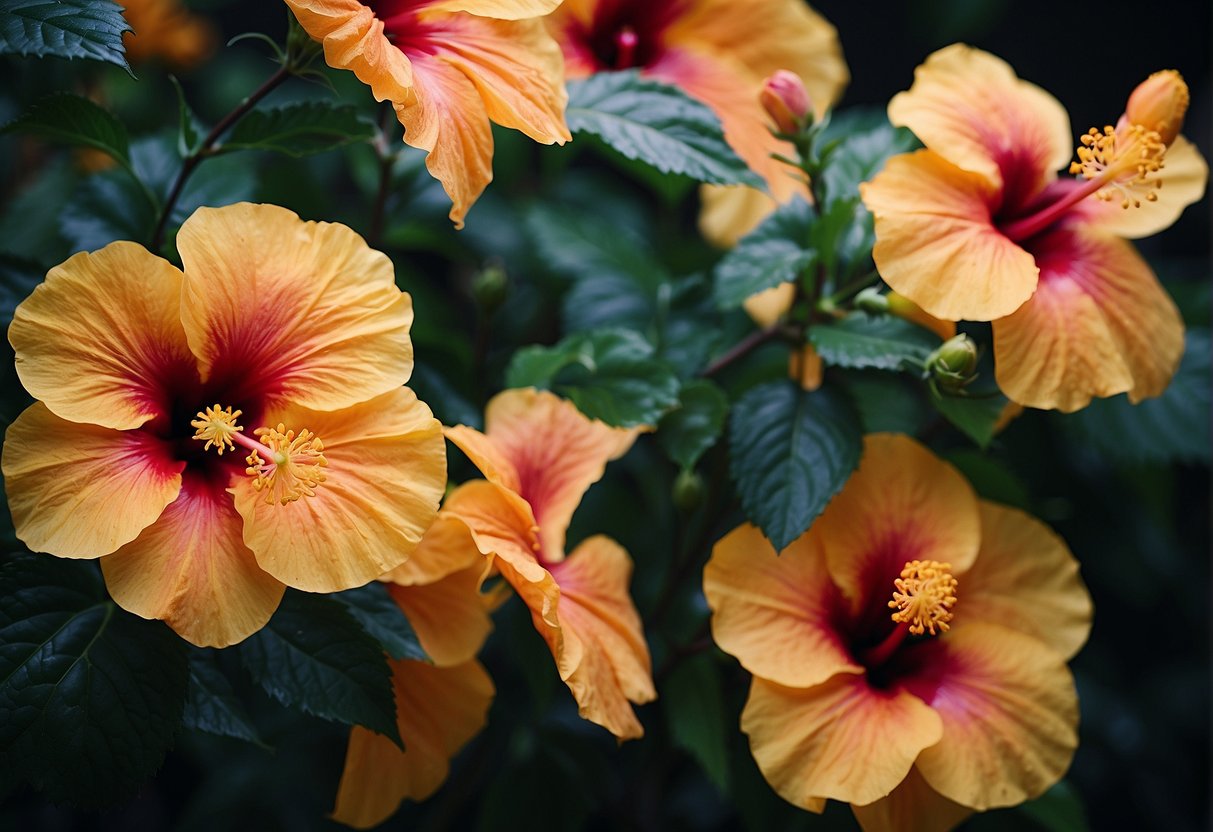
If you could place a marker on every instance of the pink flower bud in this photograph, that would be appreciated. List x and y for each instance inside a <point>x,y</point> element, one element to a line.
<point>786,101</point>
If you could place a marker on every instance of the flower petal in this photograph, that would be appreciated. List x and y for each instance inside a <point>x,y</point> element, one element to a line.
<point>776,611</point>
<point>499,9</point>
<point>1099,324</point>
<point>936,243</point>
<point>842,739</point>
<point>101,341</point>
<point>438,710</point>
<point>908,310</point>
<point>912,807</point>
<point>768,306</point>
<point>729,212</point>
<point>290,310</point>
<point>1009,714</point>
<point>485,455</point>
<point>446,548</point>
<point>386,473</point>
<point>353,39</point>
<point>450,616</point>
<point>81,491</point>
<point>192,570</point>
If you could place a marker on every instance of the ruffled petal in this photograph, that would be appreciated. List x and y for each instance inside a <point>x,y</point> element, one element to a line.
<point>290,310</point>
<point>937,245</point>
<point>912,807</point>
<point>777,613</point>
<point>1009,712</point>
<point>450,616</point>
<point>82,491</point>
<point>101,341</point>
<point>1099,324</point>
<point>446,548</point>
<point>485,455</point>
<point>438,710</point>
<point>386,474</point>
<point>841,739</point>
<point>499,9</point>
<point>353,39</point>
<point>192,570</point>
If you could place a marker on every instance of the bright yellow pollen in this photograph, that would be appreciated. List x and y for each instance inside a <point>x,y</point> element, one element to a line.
<point>924,596</point>
<point>216,425</point>
<point>1124,160</point>
<point>294,468</point>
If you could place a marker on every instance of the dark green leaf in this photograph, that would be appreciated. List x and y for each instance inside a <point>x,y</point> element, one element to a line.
<point>212,705</point>
<point>975,414</point>
<point>299,129</point>
<point>867,140</point>
<point>991,479</point>
<point>64,28</point>
<point>792,451</point>
<point>314,656</point>
<point>106,206</point>
<point>657,124</point>
<point>694,426</point>
<point>1057,810</point>
<point>775,252</point>
<point>886,402</point>
<point>18,277</point>
<point>73,119</point>
<point>882,342</point>
<point>91,695</point>
<point>576,244</point>
<point>694,707</point>
<point>382,617</point>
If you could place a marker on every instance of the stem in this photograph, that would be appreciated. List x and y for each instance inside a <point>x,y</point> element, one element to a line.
<point>203,150</point>
<point>387,161</point>
<point>743,348</point>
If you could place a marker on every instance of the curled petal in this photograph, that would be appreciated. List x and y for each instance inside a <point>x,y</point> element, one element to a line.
<point>353,39</point>
<point>446,548</point>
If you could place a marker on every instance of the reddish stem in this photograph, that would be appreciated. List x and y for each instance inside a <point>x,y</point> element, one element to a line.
<point>884,651</point>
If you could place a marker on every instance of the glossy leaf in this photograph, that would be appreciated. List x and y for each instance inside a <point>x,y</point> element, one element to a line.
<point>298,129</point>
<point>383,619</point>
<point>881,342</point>
<point>775,252</point>
<point>212,705</point>
<point>694,426</point>
<point>75,120</point>
<point>64,28</point>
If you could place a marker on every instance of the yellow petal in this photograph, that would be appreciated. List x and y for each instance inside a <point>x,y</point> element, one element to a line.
<point>1183,177</point>
<point>192,570</point>
<point>729,212</point>
<point>776,612</point>
<point>386,473</point>
<point>82,491</point>
<point>937,245</point>
<point>1009,713</point>
<point>353,39</point>
<point>768,306</point>
<point>912,807</point>
<point>1099,324</point>
<point>438,710</point>
<point>485,455</point>
<point>446,548</point>
<point>101,341</point>
<point>841,739</point>
<point>294,311</point>
<point>450,617</point>
<point>500,9</point>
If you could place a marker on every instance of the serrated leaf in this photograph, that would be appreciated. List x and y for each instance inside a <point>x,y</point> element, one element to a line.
<point>298,129</point>
<point>610,374</point>
<point>75,120</point>
<point>694,706</point>
<point>383,619</point>
<point>64,28</point>
<point>313,655</point>
<point>975,414</point>
<point>866,141</point>
<point>694,426</point>
<point>212,705</point>
<point>91,695</point>
<point>775,252</point>
<point>881,342</point>
<point>658,124</point>
<point>792,451</point>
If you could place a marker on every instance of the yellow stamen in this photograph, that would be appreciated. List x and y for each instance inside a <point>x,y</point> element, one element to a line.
<point>924,596</point>
<point>1123,160</point>
<point>292,465</point>
<point>216,425</point>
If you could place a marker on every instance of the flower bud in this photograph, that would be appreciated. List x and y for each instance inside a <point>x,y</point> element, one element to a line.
<point>953,363</point>
<point>490,287</point>
<point>688,490</point>
<point>1159,103</point>
<point>871,300</point>
<point>786,101</point>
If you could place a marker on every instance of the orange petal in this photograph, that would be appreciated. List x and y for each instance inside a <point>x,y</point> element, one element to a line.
<point>101,341</point>
<point>449,616</point>
<point>613,667</point>
<point>485,455</point>
<point>936,243</point>
<point>912,807</point>
<point>446,548</point>
<point>1025,579</point>
<point>438,710</point>
<point>729,212</point>
<point>386,473</point>
<point>1099,324</point>
<point>768,306</point>
<point>500,9</point>
<point>1009,713</point>
<point>902,504</point>
<point>805,367</point>
<point>192,570</point>
<point>841,739</point>
<point>82,491</point>
<point>297,311</point>
<point>776,612</point>
<point>970,108</point>
<point>353,39</point>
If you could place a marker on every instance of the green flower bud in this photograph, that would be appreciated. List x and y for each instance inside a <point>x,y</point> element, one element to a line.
<point>953,363</point>
<point>688,490</point>
<point>490,287</point>
<point>871,300</point>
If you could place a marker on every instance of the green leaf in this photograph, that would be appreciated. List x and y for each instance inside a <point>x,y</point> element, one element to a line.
<point>881,342</point>
<point>188,133</point>
<point>686,432</point>
<point>694,706</point>
<point>106,206</point>
<point>64,28</point>
<point>313,655</point>
<point>866,141</point>
<point>975,414</point>
<point>383,619</point>
<point>72,119</point>
<point>1173,427</point>
<point>91,695</point>
<point>299,129</point>
<point>775,252</point>
<point>886,402</point>
<point>574,243</point>
<point>18,277</point>
<point>657,124</point>
<point>792,451</point>
<point>212,705</point>
<point>610,374</point>
<point>1059,809</point>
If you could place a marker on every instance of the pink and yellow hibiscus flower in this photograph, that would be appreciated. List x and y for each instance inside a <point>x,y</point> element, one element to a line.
<point>978,227</point>
<point>449,67</point>
<point>147,374</point>
<point>908,651</point>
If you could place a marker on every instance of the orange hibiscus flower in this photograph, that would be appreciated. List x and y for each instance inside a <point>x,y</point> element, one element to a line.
<point>147,374</point>
<point>909,651</point>
<point>448,67</point>
<point>719,52</point>
<point>978,227</point>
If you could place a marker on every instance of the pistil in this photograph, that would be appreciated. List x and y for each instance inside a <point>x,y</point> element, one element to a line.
<point>923,596</point>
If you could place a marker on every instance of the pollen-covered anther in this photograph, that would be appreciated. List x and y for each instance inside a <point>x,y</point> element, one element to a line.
<point>292,467</point>
<point>216,426</point>
<point>1124,160</point>
<point>923,596</point>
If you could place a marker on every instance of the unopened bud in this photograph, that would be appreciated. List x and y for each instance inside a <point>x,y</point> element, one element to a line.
<point>871,300</point>
<point>786,101</point>
<point>953,363</point>
<point>490,287</point>
<point>688,490</point>
<point>1159,103</point>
